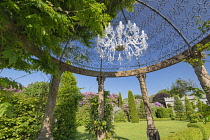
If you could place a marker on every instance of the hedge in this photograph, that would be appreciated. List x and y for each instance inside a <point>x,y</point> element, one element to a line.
<point>159,119</point>
<point>164,113</point>
<point>195,131</point>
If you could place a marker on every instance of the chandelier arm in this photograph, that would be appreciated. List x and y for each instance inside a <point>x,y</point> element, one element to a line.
<point>175,28</point>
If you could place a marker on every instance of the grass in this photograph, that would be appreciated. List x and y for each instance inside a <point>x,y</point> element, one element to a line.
<point>137,131</point>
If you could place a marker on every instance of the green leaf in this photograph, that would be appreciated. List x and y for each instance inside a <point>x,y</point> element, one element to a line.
<point>9,54</point>
<point>5,108</point>
<point>6,93</point>
<point>74,17</point>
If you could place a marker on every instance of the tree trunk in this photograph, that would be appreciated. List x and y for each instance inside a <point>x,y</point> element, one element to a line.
<point>204,78</point>
<point>152,132</point>
<point>46,130</point>
<point>101,133</point>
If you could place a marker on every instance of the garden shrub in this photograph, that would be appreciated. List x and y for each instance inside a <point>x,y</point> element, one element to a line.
<point>26,118</point>
<point>169,105</point>
<point>120,101</point>
<point>120,116</point>
<point>203,109</point>
<point>162,119</point>
<point>193,118</point>
<point>202,129</point>
<point>195,131</point>
<point>142,114</point>
<point>132,108</point>
<point>65,127</point>
<point>186,134</point>
<point>83,115</point>
<point>207,128</point>
<point>159,119</point>
<point>164,112</point>
<point>180,116</point>
<point>193,125</point>
<point>189,111</point>
<point>179,108</point>
<point>154,110</point>
<point>206,119</point>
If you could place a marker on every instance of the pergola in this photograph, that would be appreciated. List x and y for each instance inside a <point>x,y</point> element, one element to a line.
<point>172,29</point>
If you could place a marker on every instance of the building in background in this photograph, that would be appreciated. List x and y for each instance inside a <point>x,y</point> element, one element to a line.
<point>170,100</point>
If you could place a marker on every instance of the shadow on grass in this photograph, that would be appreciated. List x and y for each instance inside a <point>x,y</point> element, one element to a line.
<point>86,136</point>
<point>120,138</point>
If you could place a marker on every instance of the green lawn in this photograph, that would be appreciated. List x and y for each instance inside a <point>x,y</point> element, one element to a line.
<point>137,131</point>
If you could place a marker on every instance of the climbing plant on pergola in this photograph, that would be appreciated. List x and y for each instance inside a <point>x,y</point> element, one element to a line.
<point>173,33</point>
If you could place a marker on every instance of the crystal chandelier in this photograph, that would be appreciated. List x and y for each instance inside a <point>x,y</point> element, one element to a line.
<point>125,41</point>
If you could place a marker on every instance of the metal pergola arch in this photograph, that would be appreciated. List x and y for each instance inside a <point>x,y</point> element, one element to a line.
<point>166,55</point>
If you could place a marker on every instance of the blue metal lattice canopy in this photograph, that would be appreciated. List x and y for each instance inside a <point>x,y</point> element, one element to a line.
<point>171,26</point>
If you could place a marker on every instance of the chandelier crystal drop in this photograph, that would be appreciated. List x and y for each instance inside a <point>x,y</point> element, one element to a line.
<point>125,41</point>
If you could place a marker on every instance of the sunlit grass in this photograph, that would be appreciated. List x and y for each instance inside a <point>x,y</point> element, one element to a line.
<point>137,131</point>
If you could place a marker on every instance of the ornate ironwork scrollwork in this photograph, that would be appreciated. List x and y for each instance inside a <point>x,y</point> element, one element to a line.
<point>170,25</point>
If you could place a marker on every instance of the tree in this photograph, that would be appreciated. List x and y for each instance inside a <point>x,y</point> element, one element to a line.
<point>7,83</point>
<point>37,89</point>
<point>120,101</point>
<point>164,91</point>
<point>180,87</point>
<point>142,114</point>
<point>132,108</point>
<point>188,108</point>
<point>47,125</point>
<point>178,107</point>
<point>66,107</point>
<point>45,25</point>
<point>203,109</point>
<point>151,98</point>
<point>35,32</point>
<point>159,97</point>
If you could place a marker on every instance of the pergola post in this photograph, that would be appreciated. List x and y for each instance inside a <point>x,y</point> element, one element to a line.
<point>204,79</point>
<point>101,133</point>
<point>201,72</point>
<point>152,132</point>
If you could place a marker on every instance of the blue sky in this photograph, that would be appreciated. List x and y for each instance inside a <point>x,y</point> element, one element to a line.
<point>156,80</point>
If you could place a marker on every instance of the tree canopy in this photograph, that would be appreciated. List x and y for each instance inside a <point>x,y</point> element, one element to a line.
<point>178,106</point>
<point>181,87</point>
<point>28,27</point>
<point>160,98</point>
<point>37,89</point>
